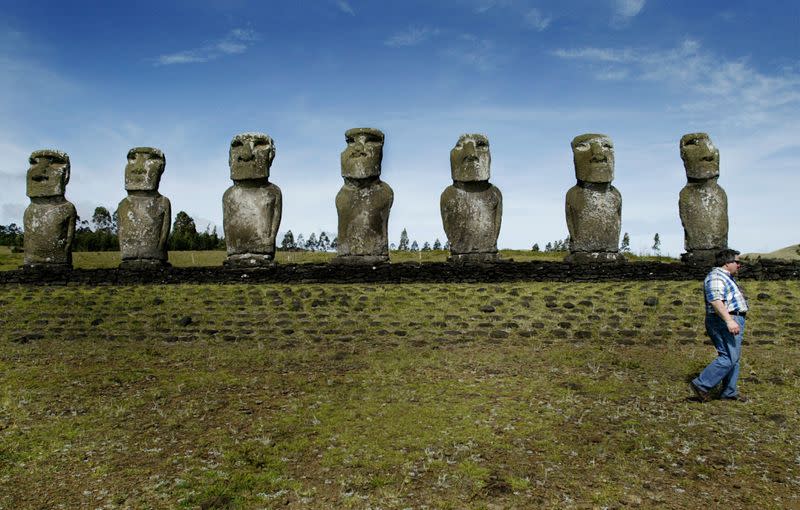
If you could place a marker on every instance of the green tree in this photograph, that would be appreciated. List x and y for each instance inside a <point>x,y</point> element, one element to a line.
<point>626,243</point>
<point>403,246</point>
<point>312,244</point>
<point>11,235</point>
<point>426,246</point>
<point>437,245</point>
<point>414,246</point>
<point>656,243</point>
<point>288,241</point>
<point>184,233</point>
<point>535,247</point>
<point>102,221</point>
<point>324,241</point>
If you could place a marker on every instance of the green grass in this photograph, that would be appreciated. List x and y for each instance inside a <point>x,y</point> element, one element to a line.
<point>390,396</point>
<point>110,259</point>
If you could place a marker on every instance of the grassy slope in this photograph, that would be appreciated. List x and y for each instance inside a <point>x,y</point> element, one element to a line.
<point>390,396</point>
<point>788,253</point>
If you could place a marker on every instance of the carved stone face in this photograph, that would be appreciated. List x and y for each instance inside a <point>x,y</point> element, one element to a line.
<point>700,157</point>
<point>48,174</point>
<point>144,169</point>
<point>251,156</point>
<point>593,155</point>
<point>363,154</point>
<point>470,159</point>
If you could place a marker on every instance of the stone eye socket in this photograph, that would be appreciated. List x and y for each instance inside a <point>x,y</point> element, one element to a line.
<point>236,144</point>
<point>350,139</point>
<point>583,146</point>
<point>607,145</point>
<point>692,141</point>
<point>481,144</point>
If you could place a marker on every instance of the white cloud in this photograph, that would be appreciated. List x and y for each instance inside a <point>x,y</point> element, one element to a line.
<point>411,37</point>
<point>612,74</point>
<point>536,20</point>
<point>474,52</point>
<point>600,54</point>
<point>235,42</point>
<point>710,82</point>
<point>625,11</point>
<point>345,7</point>
<point>628,8</point>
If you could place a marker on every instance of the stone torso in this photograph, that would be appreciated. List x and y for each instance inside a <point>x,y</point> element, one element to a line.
<point>144,224</point>
<point>472,219</point>
<point>594,218</point>
<point>364,219</point>
<point>251,218</point>
<point>49,231</point>
<point>704,214</point>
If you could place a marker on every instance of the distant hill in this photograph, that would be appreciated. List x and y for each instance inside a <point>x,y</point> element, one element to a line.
<point>788,253</point>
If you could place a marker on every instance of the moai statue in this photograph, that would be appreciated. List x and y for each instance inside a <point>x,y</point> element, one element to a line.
<point>252,207</point>
<point>49,220</point>
<point>472,208</point>
<point>145,214</point>
<point>703,204</point>
<point>364,201</point>
<point>593,205</point>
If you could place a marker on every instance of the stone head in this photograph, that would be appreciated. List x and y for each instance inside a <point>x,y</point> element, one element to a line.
<point>470,159</point>
<point>251,156</point>
<point>48,173</point>
<point>144,169</point>
<point>700,157</point>
<point>363,154</point>
<point>593,155</point>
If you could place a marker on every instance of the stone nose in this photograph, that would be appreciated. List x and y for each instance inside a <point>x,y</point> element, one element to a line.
<point>598,154</point>
<point>247,152</point>
<point>706,151</point>
<point>470,151</point>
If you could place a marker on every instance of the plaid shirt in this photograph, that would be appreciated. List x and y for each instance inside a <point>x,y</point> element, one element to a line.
<point>720,285</point>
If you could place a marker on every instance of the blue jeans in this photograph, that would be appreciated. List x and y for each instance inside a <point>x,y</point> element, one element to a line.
<point>725,368</point>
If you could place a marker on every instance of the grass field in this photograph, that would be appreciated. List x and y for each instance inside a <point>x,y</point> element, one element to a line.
<point>110,259</point>
<point>521,395</point>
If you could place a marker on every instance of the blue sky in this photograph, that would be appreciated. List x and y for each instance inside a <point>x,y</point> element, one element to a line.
<point>96,78</point>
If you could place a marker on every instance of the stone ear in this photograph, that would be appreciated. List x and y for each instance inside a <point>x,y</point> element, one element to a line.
<point>66,174</point>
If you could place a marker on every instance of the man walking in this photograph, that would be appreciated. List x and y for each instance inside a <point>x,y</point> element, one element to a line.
<point>726,309</point>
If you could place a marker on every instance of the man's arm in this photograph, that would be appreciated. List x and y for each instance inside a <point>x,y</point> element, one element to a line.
<point>722,311</point>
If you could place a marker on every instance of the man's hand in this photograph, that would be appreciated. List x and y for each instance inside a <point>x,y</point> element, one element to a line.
<point>733,327</point>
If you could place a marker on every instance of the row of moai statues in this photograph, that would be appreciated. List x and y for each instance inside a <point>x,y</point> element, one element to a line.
<point>471,207</point>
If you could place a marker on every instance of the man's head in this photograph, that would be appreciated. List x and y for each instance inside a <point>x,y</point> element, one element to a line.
<point>251,156</point>
<point>728,259</point>
<point>48,173</point>
<point>700,157</point>
<point>364,152</point>
<point>593,155</point>
<point>144,169</point>
<point>470,159</point>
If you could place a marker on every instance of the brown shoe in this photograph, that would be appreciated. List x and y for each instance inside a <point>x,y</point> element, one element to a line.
<point>735,398</point>
<point>702,396</point>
